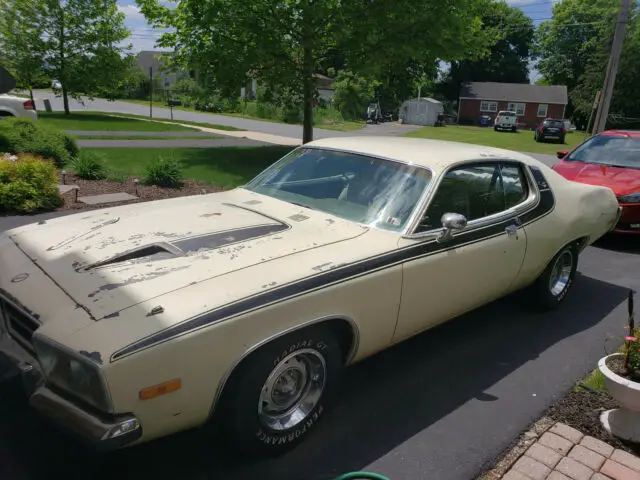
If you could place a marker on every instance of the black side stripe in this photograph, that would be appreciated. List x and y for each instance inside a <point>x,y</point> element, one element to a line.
<point>332,277</point>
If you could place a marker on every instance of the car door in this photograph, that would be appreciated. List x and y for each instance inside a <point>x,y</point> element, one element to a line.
<point>443,279</point>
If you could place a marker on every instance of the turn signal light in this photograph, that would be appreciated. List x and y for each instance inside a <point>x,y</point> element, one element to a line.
<point>160,389</point>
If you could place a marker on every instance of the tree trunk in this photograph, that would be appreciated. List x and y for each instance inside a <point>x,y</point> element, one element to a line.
<point>65,100</point>
<point>309,86</point>
<point>33,100</point>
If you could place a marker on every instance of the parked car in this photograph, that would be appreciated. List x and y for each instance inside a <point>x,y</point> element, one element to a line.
<point>506,120</point>
<point>610,159</point>
<point>56,85</point>
<point>550,128</point>
<point>12,106</point>
<point>136,322</point>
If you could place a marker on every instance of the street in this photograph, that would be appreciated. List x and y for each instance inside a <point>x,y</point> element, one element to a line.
<point>272,128</point>
<point>440,406</point>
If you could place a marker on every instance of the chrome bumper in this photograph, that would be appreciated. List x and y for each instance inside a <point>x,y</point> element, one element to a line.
<point>615,223</point>
<point>99,430</point>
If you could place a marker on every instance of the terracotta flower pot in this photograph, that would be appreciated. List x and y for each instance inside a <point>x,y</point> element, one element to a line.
<point>622,422</point>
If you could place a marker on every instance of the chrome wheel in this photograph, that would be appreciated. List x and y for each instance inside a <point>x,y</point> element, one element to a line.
<point>561,273</point>
<point>292,390</point>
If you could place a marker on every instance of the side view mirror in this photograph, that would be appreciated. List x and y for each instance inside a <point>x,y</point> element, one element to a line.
<point>451,222</point>
<point>562,153</point>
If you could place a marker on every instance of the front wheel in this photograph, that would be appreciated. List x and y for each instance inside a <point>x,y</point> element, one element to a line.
<point>279,393</point>
<point>551,288</point>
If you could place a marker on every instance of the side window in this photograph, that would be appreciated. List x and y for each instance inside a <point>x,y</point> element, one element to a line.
<point>476,191</point>
<point>516,188</point>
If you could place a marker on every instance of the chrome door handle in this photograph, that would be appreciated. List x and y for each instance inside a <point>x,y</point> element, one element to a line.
<point>512,230</point>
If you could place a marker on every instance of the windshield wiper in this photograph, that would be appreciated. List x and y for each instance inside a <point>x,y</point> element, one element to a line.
<point>303,205</point>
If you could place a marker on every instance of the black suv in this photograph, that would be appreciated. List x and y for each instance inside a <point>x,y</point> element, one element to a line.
<point>550,128</point>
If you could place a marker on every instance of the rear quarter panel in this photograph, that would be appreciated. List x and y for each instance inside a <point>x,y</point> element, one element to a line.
<point>580,212</point>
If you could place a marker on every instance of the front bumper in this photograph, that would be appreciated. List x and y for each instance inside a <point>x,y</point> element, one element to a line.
<point>101,431</point>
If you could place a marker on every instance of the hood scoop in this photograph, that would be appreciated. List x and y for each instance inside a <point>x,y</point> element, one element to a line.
<point>158,251</point>
<point>186,246</point>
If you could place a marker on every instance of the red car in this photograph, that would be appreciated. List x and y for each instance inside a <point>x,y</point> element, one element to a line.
<point>610,159</point>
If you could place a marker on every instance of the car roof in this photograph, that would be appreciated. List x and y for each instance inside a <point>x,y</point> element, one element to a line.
<point>434,154</point>
<point>621,133</point>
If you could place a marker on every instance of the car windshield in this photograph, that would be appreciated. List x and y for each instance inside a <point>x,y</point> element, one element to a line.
<point>553,123</point>
<point>363,189</point>
<point>609,150</point>
<point>507,114</point>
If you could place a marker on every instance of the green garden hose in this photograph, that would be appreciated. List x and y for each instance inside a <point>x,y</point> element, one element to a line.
<point>362,476</point>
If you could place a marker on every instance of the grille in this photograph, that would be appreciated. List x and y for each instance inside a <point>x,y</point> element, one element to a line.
<point>20,324</point>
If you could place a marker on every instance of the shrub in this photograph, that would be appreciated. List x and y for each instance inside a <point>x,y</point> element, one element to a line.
<point>90,165</point>
<point>27,185</point>
<point>164,172</point>
<point>71,146</point>
<point>352,94</point>
<point>21,135</point>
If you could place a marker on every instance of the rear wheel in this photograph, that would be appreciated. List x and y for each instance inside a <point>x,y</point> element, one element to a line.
<point>495,128</point>
<point>514,129</point>
<point>277,395</point>
<point>551,288</point>
<point>561,139</point>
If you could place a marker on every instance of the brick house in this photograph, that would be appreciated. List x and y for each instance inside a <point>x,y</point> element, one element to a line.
<point>532,103</point>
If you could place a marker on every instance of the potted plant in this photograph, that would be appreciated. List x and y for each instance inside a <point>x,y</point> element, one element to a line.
<point>621,372</point>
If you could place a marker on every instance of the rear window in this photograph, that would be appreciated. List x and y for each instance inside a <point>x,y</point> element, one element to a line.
<point>553,123</point>
<point>507,114</point>
<point>609,150</point>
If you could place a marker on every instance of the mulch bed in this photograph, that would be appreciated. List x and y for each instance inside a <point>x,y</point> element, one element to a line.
<point>581,409</point>
<point>144,193</point>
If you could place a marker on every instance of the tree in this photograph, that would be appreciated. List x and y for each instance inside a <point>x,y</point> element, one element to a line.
<point>22,42</point>
<point>565,45</point>
<point>284,42</point>
<point>625,103</point>
<point>508,59</point>
<point>82,45</point>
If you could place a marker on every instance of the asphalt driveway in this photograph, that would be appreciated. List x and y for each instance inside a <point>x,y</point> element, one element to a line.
<point>439,406</point>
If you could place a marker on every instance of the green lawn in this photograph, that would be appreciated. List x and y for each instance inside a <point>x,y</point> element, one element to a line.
<point>522,141</point>
<point>102,121</point>
<point>222,166</point>
<point>90,136</point>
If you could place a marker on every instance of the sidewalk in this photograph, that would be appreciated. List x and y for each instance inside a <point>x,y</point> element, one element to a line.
<point>564,453</point>
<point>242,134</point>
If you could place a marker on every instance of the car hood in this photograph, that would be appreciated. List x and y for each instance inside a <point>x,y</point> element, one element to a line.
<point>110,260</point>
<point>622,181</point>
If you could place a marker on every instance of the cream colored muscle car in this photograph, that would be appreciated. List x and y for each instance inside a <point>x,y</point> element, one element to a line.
<point>135,322</point>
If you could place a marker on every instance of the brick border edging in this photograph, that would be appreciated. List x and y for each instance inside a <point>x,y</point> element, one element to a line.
<point>513,453</point>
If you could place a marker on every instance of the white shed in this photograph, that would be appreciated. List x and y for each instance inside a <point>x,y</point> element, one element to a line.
<point>421,111</point>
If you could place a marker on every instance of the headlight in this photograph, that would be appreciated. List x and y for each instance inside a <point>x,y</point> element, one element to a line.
<point>76,375</point>
<point>631,198</point>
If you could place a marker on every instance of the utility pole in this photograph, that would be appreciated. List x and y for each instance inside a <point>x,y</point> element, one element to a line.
<point>600,121</point>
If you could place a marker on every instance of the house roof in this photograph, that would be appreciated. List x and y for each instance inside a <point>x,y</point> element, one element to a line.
<point>425,99</point>
<point>515,92</point>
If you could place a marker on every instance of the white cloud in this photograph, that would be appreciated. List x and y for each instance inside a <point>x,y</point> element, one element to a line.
<point>132,13</point>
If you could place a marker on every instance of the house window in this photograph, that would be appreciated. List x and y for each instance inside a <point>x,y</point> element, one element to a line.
<point>542,109</point>
<point>486,106</point>
<point>518,108</point>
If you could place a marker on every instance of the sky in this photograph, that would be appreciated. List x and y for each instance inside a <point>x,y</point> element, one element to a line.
<point>143,37</point>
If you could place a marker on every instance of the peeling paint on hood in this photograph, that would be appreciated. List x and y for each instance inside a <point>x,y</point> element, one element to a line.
<point>102,261</point>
